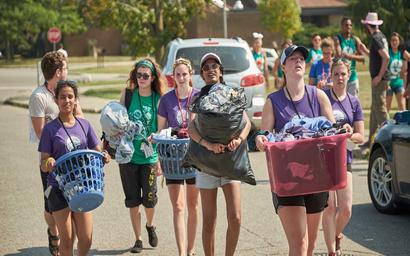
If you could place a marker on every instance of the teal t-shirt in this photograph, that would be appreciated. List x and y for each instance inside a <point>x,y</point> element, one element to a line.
<point>143,111</point>
<point>349,47</point>
<point>260,60</point>
<point>395,65</point>
<point>314,55</point>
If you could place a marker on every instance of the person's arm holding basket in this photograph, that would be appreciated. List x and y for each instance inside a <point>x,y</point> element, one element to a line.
<point>268,122</point>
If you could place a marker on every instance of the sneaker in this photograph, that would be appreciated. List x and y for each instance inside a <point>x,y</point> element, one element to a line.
<point>137,247</point>
<point>152,236</point>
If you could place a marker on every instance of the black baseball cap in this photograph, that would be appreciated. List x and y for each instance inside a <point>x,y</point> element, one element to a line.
<point>290,50</point>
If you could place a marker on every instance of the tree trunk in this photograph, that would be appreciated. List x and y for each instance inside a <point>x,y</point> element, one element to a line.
<point>159,28</point>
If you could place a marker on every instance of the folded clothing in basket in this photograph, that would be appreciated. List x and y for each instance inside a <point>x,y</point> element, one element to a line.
<point>220,119</point>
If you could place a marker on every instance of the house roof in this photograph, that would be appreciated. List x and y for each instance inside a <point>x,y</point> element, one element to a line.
<point>307,4</point>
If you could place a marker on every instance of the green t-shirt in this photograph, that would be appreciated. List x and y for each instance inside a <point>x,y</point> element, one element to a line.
<point>314,55</point>
<point>395,65</point>
<point>259,59</point>
<point>143,111</point>
<point>349,47</point>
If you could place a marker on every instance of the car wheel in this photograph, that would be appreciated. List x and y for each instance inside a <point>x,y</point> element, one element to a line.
<point>380,183</point>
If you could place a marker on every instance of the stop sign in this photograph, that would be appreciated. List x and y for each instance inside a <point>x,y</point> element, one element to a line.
<point>54,35</point>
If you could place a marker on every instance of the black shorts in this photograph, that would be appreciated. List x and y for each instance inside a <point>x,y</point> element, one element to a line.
<point>139,182</point>
<point>313,203</point>
<point>44,183</point>
<point>349,168</point>
<point>180,182</point>
<point>56,200</point>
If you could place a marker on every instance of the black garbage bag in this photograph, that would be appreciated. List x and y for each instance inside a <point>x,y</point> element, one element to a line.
<point>219,119</point>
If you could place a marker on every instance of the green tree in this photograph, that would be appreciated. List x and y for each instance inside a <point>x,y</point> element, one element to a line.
<point>22,22</point>
<point>394,13</point>
<point>281,16</point>
<point>146,26</point>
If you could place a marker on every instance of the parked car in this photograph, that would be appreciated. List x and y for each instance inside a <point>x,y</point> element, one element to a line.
<point>389,173</point>
<point>240,69</point>
<point>271,56</point>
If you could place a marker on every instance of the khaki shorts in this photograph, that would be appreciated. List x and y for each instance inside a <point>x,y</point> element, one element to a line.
<point>206,181</point>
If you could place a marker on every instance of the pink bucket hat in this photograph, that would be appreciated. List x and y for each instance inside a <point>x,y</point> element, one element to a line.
<point>372,19</point>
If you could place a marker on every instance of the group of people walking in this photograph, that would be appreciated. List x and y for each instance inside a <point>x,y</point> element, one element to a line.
<point>58,123</point>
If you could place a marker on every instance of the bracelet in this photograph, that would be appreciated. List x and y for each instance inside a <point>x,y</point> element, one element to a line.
<point>47,161</point>
<point>261,133</point>
<point>199,142</point>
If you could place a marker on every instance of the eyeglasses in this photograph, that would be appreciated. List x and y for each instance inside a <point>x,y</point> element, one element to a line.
<point>212,66</point>
<point>340,59</point>
<point>144,76</point>
<point>66,82</point>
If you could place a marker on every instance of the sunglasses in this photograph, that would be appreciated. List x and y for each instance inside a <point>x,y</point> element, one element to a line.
<point>212,66</point>
<point>340,59</point>
<point>66,82</point>
<point>144,76</point>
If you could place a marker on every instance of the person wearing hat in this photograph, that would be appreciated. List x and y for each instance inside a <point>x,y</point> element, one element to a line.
<point>378,63</point>
<point>212,72</point>
<point>300,215</point>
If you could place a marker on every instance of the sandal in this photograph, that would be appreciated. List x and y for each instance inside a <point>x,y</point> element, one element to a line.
<point>54,249</point>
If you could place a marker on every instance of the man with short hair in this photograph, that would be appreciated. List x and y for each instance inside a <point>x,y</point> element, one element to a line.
<point>346,46</point>
<point>43,109</point>
<point>378,63</point>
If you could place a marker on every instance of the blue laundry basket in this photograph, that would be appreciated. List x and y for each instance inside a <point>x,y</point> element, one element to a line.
<point>80,176</point>
<point>171,152</point>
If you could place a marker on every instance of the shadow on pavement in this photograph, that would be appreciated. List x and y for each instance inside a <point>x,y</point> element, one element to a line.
<point>108,252</point>
<point>382,233</point>
<point>32,251</point>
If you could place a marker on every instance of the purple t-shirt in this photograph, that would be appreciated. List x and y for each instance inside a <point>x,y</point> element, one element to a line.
<point>56,142</point>
<point>346,112</point>
<point>284,111</point>
<point>320,71</point>
<point>169,108</point>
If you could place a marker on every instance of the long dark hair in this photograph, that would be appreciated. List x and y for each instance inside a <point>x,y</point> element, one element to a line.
<point>157,85</point>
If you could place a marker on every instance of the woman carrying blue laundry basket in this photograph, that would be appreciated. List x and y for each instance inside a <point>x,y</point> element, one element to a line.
<point>173,112</point>
<point>65,134</point>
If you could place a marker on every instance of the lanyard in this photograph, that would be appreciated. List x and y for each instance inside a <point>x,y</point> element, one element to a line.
<point>181,109</point>
<point>342,107</point>
<point>144,118</point>
<point>294,106</point>
<point>82,128</point>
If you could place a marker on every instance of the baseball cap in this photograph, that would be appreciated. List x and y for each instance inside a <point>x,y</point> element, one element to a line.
<point>208,56</point>
<point>290,50</point>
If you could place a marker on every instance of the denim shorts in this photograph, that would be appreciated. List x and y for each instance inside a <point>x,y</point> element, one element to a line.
<point>206,181</point>
<point>394,90</point>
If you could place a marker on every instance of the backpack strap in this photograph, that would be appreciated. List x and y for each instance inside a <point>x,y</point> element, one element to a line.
<point>128,97</point>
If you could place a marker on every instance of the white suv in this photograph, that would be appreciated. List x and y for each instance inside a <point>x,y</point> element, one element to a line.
<point>240,69</point>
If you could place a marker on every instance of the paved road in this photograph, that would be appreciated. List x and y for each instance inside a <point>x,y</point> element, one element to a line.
<point>23,231</point>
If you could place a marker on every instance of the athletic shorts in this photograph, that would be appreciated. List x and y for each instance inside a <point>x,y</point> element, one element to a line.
<point>313,203</point>
<point>56,200</point>
<point>139,183</point>
<point>206,181</point>
<point>394,90</point>
<point>180,182</point>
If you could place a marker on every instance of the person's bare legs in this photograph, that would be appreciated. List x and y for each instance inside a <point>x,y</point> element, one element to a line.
<point>313,221</point>
<point>84,229</point>
<point>64,225</point>
<point>135,216</point>
<point>177,197</point>
<point>192,194</point>
<point>232,192</point>
<point>149,213</point>
<point>344,204</point>
<point>209,213</point>
<point>389,100</point>
<point>329,222</point>
<point>294,223</point>
<point>400,101</point>
<point>48,217</point>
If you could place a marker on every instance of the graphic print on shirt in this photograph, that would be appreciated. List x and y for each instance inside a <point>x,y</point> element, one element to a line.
<point>295,116</point>
<point>179,117</point>
<point>69,145</point>
<point>339,115</point>
<point>137,118</point>
<point>316,56</point>
<point>348,50</point>
<point>395,67</point>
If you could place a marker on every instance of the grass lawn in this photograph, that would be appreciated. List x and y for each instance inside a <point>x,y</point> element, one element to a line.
<point>106,69</point>
<point>103,82</point>
<point>109,93</point>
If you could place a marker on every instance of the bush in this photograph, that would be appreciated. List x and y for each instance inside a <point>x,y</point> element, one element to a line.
<point>304,37</point>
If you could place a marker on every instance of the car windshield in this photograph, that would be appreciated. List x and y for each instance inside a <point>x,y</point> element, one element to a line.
<point>234,59</point>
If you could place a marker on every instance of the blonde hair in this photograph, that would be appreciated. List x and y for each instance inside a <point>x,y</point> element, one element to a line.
<point>340,62</point>
<point>187,63</point>
<point>328,43</point>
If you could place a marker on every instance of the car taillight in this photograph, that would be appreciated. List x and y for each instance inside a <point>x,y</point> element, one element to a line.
<point>170,80</point>
<point>257,114</point>
<point>252,80</point>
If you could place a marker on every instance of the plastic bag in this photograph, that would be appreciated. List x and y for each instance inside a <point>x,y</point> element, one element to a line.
<point>220,119</point>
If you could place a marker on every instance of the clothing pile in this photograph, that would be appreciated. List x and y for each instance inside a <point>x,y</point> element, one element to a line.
<point>119,131</point>
<point>219,119</point>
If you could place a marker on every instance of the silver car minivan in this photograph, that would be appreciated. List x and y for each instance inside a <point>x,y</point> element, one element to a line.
<point>240,69</point>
